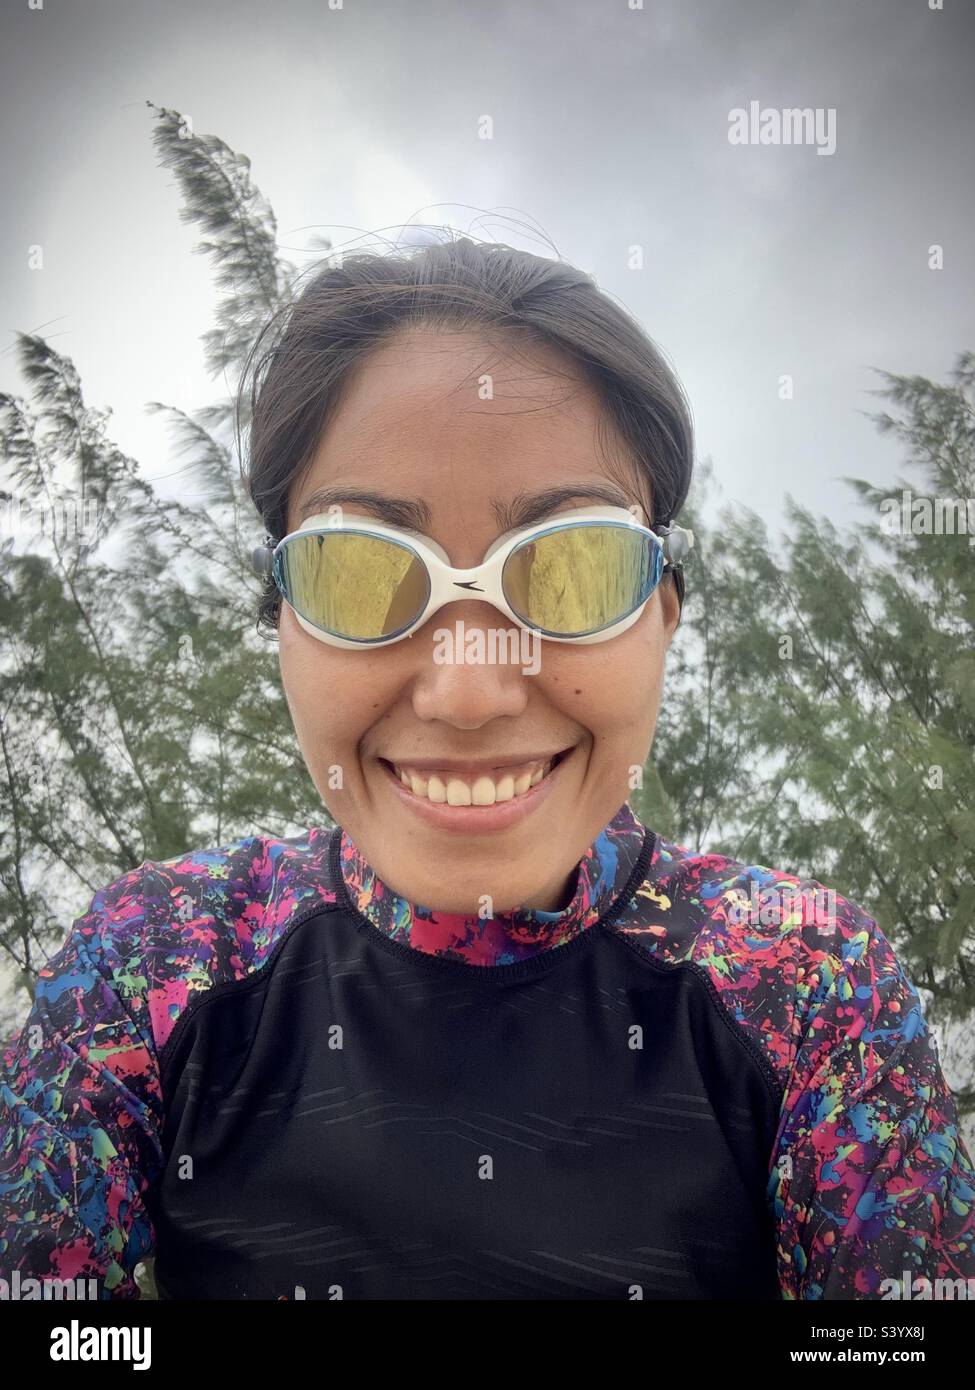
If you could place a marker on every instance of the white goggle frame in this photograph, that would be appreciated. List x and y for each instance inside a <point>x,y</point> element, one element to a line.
<point>484,581</point>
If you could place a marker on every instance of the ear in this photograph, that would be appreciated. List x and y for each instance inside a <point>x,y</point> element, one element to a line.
<point>670,604</point>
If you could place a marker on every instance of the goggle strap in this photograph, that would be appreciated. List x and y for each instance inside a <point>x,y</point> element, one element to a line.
<point>262,556</point>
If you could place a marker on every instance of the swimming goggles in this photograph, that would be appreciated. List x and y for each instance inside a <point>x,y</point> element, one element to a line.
<point>583,576</point>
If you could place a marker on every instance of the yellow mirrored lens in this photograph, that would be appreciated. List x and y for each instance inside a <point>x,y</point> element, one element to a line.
<point>580,579</point>
<point>356,586</point>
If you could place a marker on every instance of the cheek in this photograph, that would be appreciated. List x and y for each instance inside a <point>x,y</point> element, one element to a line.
<point>330,695</point>
<point>301,670</point>
<point>613,688</point>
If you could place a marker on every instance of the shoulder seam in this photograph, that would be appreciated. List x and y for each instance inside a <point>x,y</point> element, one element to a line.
<point>697,971</point>
<point>249,981</point>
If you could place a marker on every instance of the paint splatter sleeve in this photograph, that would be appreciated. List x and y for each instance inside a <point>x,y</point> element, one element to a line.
<point>81,1111</point>
<point>870,1180</point>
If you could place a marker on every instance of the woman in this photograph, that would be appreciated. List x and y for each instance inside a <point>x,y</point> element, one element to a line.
<point>490,1037</point>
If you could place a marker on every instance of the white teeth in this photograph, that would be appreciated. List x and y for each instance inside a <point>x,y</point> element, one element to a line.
<point>483,791</point>
<point>458,793</point>
<point>505,789</point>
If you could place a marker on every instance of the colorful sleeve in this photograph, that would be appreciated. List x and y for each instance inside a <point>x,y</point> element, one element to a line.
<point>81,1112</point>
<point>870,1182</point>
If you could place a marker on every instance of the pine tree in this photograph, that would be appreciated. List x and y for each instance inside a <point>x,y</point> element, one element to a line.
<point>140,712</point>
<point>840,743</point>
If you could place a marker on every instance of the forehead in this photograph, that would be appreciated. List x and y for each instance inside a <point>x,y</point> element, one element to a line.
<point>459,419</point>
<point>443,372</point>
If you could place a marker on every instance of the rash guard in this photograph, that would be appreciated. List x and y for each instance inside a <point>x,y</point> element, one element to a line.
<point>264,1068</point>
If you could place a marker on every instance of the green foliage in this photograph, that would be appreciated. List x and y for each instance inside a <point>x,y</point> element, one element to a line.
<point>140,712</point>
<point>820,707</point>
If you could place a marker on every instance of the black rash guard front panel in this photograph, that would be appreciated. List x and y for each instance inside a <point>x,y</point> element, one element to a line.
<point>363,1121</point>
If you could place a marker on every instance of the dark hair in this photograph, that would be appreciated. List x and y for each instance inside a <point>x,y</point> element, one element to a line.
<point>350,308</point>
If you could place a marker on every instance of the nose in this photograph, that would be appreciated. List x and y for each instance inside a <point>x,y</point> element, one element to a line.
<point>471,666</point>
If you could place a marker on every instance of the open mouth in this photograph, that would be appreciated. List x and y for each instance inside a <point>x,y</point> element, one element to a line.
<point>448,788</point>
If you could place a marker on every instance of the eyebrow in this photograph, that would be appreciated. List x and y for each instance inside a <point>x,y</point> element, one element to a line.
<point>413,514</point>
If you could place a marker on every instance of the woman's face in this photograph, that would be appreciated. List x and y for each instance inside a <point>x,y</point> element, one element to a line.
<point>416,423</point>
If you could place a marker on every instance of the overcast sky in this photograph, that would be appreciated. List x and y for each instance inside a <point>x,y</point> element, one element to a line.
<point>610,129</point>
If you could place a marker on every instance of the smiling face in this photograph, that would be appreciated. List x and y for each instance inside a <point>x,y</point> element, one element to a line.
<point>413,424</point>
